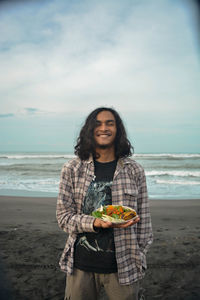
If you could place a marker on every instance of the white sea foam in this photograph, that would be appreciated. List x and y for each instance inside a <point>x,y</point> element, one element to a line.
<point>173,173</point>
<point>177,182</point>
<point>36,156</point>
<point>168,155</point>
<point>45,185</point>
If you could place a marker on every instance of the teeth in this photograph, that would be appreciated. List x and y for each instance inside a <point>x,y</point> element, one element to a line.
<point>103,134</point>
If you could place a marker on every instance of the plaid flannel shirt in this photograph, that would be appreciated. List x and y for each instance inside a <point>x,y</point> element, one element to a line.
<point>129,189</point>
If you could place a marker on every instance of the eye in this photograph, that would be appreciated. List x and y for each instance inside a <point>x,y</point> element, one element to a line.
<point>97,123</point>
<point>110,123</point>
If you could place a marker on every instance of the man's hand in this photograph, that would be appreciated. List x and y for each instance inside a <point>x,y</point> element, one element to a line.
<point>98,223</point>
<point>101,224</point>
<point>129,223</point>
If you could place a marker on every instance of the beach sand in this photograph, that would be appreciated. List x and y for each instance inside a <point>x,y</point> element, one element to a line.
<point>31,244</point>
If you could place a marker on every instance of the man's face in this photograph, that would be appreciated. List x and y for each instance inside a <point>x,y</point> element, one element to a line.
<point>105,130</point>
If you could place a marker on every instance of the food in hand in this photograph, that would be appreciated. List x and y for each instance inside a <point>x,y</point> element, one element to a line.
<point>114,213</point>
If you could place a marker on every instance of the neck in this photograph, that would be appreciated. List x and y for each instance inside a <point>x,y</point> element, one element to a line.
<point>105,155</point>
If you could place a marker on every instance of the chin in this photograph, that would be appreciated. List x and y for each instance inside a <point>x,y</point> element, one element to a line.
<point>104,146</point>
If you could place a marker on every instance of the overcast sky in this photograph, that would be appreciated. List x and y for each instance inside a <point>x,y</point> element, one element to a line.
<point>61,59</point>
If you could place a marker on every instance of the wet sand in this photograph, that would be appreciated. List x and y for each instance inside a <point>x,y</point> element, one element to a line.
<point>31,244</point>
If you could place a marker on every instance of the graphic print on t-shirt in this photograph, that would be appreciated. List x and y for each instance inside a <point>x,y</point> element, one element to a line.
<point>99,193</point>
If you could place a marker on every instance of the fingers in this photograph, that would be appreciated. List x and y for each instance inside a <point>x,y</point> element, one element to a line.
<point>136,220</point>
<point>130,223</point>
<point>106,224</point>
<point>101,224</point>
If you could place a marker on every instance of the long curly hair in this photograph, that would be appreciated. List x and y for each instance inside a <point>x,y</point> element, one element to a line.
<point>86,144</point>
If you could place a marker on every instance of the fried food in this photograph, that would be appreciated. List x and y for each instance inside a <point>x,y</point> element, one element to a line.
<point>114,213</point>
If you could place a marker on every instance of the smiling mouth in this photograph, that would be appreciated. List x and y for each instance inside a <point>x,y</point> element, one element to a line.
<point>104,134</point>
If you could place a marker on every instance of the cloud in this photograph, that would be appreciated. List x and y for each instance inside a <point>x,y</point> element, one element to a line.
<point>31,110</point>
<point>6,115</point>
<point>60,56</point>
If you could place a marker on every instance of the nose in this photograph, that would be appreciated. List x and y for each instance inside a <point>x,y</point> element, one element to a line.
<point>103,126</point>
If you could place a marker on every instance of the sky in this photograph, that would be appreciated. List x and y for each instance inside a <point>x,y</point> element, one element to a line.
<point>61,59</point>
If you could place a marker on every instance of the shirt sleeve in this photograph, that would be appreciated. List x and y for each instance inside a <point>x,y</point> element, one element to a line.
<point>144,226</point>
<point>66,212</point>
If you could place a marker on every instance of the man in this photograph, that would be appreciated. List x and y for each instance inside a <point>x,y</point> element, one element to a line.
<point>99,253</point>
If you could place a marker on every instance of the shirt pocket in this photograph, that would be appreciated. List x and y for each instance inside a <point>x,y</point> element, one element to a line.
<point>130,196</point>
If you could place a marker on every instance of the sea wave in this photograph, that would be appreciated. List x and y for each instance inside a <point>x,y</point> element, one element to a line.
<point>173,173</point>
<point>168,174</point>
<point>69,156</point>
<point>45,185</point>
<point>31,168</point>
<point>168,155</point>
<point>36,156</point>
<point>48,181</point>
<point>177,182</point>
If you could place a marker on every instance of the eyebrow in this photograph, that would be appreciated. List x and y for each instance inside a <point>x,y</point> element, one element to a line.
<point>106,121</point>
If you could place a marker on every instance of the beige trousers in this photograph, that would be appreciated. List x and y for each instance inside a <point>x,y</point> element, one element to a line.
<point>86,286</point>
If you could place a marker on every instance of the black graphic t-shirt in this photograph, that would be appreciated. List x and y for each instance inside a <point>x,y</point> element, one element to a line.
<point>95,252</point>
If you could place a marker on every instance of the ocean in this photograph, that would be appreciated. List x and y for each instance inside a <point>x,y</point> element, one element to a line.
<point>169,176</point>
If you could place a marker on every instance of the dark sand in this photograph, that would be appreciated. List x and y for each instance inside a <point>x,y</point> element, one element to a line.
<point>31,244</point>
